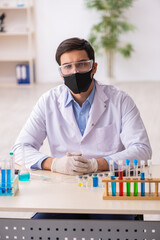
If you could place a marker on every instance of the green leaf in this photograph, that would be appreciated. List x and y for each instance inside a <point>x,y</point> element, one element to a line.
<point>126,26</point>
<point>126,50</point>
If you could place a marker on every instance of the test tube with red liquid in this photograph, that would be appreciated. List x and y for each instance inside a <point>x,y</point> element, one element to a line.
<point>120,175</point>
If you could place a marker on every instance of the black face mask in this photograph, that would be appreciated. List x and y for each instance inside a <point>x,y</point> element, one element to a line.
<point>78,82</point>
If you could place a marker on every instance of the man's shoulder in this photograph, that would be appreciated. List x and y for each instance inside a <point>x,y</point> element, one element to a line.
<point>110,90</point>
<point>55,93</point>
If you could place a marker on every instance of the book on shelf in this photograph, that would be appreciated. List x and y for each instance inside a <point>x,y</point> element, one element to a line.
<point>22,74</point>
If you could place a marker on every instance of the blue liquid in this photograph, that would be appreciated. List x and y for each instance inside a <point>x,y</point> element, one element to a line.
<point>24,177</point>
<point>9,181</point>
<point>95,181</point>
<point>113,185</point>
<point>3,179</point>
<point>142,184</point>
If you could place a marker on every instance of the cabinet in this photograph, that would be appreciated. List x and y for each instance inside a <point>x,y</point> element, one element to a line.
<point>17,42</point>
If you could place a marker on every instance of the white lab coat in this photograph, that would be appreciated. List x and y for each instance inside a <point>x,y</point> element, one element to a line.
<point>114,127</point>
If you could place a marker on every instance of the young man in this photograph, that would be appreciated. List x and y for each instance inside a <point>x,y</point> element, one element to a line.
<point>87,123</point>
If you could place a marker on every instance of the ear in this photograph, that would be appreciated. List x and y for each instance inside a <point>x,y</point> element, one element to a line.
<point>94,68</point>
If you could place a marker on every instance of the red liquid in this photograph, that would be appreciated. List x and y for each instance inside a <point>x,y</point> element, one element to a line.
<point>120,174</point>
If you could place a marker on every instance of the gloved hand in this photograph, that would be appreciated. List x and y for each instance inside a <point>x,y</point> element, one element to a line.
<point>92,164</point>
<point>73,165</point>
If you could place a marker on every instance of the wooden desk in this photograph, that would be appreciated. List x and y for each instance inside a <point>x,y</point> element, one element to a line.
<point>64,196</point>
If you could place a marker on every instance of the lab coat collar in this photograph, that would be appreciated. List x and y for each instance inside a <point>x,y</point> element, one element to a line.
<point>69,98</point>
<point>97,109</point>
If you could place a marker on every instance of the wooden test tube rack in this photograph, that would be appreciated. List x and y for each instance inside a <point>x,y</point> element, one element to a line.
<point>153,196</point>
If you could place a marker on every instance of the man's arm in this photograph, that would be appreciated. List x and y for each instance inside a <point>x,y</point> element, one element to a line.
<point>32,136</point>
<point>133,134</point>
<point>46,164</point>
<point>102,164</point>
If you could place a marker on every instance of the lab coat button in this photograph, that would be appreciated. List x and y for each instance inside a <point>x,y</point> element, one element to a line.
<point>92,124</point>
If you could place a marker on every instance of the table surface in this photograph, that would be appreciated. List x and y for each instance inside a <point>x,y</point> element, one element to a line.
<point>61,194</point>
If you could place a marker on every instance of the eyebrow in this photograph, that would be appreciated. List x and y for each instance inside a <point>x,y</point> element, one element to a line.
<point>76,61</point>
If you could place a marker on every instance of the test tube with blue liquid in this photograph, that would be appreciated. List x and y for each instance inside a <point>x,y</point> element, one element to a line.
<point>113,184</point>
<point>23,175</point>
<point>149,162</point>
<point>8,170</point>
<point>3,176</point>
<point>142,165</point>
<point>128,176</point>
<point>135,177</point>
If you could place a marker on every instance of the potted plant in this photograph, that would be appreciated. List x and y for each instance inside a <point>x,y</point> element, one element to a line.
<point>105,35</point>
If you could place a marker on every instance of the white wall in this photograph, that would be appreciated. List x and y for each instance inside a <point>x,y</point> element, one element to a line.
<point>58,20</point>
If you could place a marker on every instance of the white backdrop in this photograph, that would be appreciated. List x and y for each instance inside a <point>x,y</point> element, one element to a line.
<point>58,20</point>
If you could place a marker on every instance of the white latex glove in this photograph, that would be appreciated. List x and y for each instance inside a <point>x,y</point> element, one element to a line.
<point>73,165</point>
<point>91,163</point>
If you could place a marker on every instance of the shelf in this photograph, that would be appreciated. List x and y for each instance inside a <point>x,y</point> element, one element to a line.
<point>16,59</point>
<point>16,8</point>
<point>17,43</point>
<point>7,34</point>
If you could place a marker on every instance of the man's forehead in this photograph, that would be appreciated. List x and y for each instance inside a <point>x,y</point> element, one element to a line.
<point>74,56</point>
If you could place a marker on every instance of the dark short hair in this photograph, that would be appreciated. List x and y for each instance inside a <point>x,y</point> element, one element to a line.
<point>74,44</point>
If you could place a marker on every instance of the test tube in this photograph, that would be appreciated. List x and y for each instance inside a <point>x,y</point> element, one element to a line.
<point>113,184</point>
<point>120,175</point>
<point>128,176</point>
<point>9,186</point>
<point>3,176</point>
<point>12,163</point>
<point>142,164</point>
<point>150,175</point>
<point>135,175</point>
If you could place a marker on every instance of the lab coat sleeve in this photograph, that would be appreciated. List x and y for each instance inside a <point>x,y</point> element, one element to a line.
<point>133,134</point>
<point>32,136</point>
